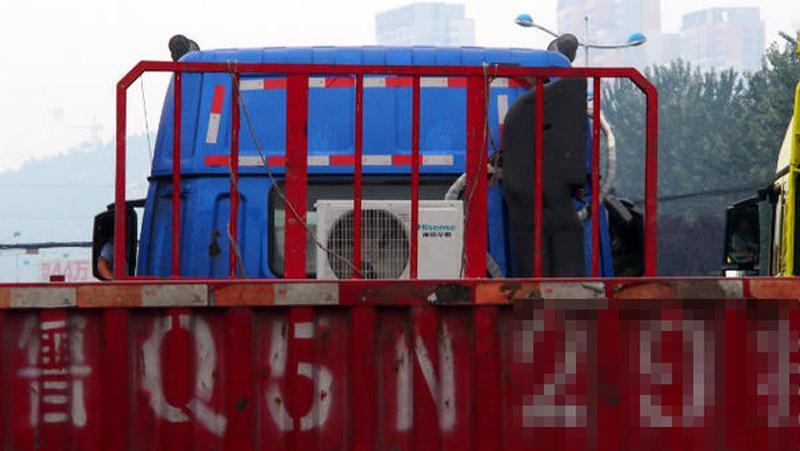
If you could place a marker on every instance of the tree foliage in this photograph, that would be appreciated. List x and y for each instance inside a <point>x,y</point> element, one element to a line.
<point>719,132</point>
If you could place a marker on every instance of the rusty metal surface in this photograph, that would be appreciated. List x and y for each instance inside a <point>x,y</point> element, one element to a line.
<point>579,364</point>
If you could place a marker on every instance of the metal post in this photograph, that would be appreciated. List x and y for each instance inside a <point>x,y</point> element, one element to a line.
<point>596,180</point>
<point>176,175</point>
<point>296,176</point>
<point>414,178</point>
<point>233,221</point>
<point>538,178</point>
<point>475,190</point>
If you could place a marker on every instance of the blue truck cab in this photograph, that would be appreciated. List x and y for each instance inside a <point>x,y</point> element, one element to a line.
<point>387,124</point>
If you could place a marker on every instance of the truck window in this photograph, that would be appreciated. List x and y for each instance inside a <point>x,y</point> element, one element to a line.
<point>333,189</point>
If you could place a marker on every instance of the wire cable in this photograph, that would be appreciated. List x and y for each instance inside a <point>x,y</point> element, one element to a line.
<point>146,120</point>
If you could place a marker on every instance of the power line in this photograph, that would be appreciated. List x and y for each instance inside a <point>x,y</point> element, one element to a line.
<point>52,186</point>
<point>45,245</point>
<point>713,192</point>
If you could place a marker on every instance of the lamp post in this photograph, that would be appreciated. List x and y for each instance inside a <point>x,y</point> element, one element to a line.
<point>634,40</point>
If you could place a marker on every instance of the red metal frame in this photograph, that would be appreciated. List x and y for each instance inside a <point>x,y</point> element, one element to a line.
<point>296,155</point>
<point>176,176</point>
<point>538,176</point>
<point>234,169</point>
<point>596,179</point>
<point>358,175</point>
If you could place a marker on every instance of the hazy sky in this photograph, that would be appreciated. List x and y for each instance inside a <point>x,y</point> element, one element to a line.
<point>62,59</point>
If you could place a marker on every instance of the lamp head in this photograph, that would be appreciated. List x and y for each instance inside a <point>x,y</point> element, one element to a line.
<point>636,39</point>
<point>524,20</point>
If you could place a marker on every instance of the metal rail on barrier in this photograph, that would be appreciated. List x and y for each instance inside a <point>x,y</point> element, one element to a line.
<point>297,75</point>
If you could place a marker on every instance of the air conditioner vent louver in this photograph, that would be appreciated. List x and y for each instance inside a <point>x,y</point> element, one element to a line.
<point>384,245</point>
<point>386,239</point>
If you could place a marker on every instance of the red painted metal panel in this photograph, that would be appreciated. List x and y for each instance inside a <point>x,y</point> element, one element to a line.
<point>644,367</point>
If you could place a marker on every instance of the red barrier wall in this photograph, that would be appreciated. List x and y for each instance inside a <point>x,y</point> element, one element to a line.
<point>653,364</point>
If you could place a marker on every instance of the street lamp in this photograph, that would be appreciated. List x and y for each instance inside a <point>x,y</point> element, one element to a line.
<point>634,40</point>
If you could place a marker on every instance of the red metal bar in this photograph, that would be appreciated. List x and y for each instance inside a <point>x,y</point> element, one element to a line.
<point>596,180</point>
<point>119,187</point>
<point>233,221</point>
<point>296,175</point>
<point>538,194</point>
<point>414,179</point>
<point>348,70</point>
<point>475,207</point>
<point>357,176</point>
<point>176,175</point>
<point>651,182</point>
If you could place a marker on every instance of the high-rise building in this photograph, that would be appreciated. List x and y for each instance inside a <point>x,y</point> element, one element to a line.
<point>723,38</point>
<point>612,22</point>
<point>440,24</point>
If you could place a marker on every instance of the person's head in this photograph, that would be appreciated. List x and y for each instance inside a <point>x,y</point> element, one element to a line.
<point>566,44</point>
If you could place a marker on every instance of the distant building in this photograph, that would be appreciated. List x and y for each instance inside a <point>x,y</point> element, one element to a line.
<point>723,38</point>
<point>439,24</point>
<point>612,22</point>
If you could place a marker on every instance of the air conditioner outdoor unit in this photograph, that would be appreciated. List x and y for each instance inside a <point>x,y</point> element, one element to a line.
<point>385,239</point>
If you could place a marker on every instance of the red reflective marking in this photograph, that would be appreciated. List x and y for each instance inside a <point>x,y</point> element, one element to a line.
<point>274,83</point>
<point>342,160</point>
<point>456,82</point>
<point>339,82</point>
<point>217,160</point>
<point>216,101</point>
<point>398,82</point>
<point>401,160</point>
<point>518,83</point>
<point>277,161</point>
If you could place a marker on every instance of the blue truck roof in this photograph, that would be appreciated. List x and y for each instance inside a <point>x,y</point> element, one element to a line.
<point>206,118</point>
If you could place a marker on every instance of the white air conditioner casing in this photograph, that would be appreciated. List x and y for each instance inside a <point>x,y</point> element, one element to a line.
<point>385,235</point>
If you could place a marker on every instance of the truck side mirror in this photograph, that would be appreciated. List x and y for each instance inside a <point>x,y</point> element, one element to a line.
<point>103,233</point>
<point>742,239</point>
